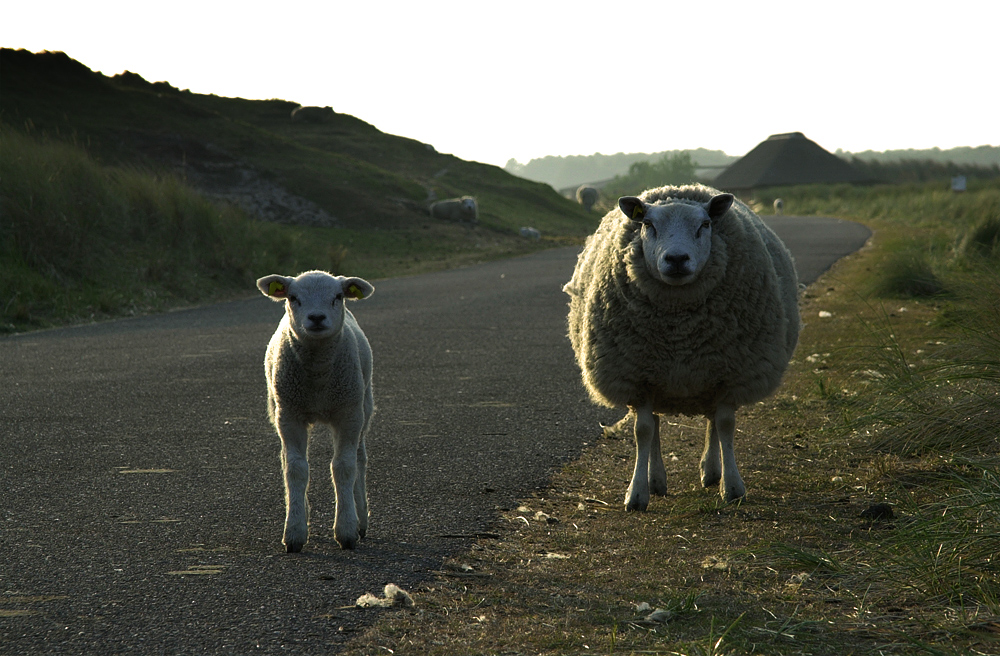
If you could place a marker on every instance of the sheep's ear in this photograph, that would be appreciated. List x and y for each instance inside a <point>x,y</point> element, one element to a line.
<point>719,205</point>
<point>633,208</point>
<point>357,288</point>
<point>274,287</point>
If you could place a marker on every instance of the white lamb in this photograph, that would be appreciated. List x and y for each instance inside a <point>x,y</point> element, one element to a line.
<point>683,302</point>
<point>319,371</point>
<point>779,206</point>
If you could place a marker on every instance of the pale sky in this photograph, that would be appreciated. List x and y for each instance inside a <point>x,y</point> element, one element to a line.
<point>489,81</point>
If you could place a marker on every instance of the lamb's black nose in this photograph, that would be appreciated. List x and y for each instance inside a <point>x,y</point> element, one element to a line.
<point>317,318</point>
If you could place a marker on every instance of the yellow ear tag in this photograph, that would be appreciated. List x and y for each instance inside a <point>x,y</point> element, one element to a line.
<point>356,292</point>
<point>276,288</point>
<point>638,212</point>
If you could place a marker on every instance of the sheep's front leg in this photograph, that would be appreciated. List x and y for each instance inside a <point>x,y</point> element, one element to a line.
<point>731,486</point>
<point>657,472</point>
<point>711,464</point>
<point>637,497</point>
<point>344,469</point>
<point>295,468</point>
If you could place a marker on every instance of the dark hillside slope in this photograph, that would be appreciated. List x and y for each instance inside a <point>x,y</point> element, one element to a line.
<point>340,172</point>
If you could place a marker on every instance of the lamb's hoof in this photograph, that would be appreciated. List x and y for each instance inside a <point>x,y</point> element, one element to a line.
<point>658,488</point>
<point>293,547</point>
<point>347,539</point>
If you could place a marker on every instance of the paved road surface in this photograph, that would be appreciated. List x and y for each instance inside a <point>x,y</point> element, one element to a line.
<point>141,506</point>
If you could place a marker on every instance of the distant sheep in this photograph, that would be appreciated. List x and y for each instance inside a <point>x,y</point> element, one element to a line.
<point>531,233</point>
<point>456,209</point>
<point>586,196</point>
<point>302,114</point>
<point>683,302</point>
<point>779,206</point>
<point>319,371</point>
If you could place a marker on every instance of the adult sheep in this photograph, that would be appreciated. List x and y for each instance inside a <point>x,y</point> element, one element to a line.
<point>319,373</point>
<point>586,196</point>
<point>456,209</point>
<point>683,302</point>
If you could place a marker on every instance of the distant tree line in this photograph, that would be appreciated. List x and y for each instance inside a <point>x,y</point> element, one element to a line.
<point>574,170</point>
<point>921,170</point>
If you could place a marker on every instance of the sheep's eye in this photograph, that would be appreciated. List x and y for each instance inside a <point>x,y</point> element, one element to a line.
<point>703,226</point>
<point>648,225</point>
<point>293,298</point>
<point>338,297</point>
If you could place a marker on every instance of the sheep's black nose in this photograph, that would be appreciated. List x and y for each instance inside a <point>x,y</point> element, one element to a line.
<point>677,261</point>
<point>317,318</point>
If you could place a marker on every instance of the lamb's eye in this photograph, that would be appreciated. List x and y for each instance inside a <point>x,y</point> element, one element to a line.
<point>338,297</point>
<point>293,298</point>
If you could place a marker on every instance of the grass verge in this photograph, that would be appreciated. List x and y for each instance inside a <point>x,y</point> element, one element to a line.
<point>81,241</point>
<point>871,525</point>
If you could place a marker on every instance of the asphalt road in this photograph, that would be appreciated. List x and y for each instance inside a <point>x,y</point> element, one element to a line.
<point>142,508</point>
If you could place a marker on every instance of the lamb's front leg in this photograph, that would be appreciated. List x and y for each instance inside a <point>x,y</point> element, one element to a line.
<point>637,497</point>
<point>344,469</point>
<point>731,486</point>
<point>295,469</point>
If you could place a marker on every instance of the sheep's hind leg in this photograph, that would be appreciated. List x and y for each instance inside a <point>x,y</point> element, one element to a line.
<point>657,472</point>
<point>731,486</point>
<point>637,497</point>
<point>711,463</point>
<point>295,469</point>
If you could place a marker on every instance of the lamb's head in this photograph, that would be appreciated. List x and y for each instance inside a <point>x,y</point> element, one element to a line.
<point>676,234</point>
<point>314,300</point>
<point>469,205</point>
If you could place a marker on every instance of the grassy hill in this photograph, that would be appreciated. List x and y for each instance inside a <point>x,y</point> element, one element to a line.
<point>340,186</point>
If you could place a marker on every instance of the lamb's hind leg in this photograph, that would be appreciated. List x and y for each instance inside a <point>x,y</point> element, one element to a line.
<point>295,469</point>
<point>731,486</point>
<point>360,481</point>
<point>637,497</point>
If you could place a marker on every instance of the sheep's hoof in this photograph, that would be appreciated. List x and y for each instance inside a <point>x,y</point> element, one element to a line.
<point>659,488</point>
<point>347,544</point>
<point>293,547</point>
<point>636,505</point>
<point>734,494</point>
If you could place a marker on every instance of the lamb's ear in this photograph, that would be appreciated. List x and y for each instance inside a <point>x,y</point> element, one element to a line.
<point>357,288</point>
<point>275,287</point>
<point>633,208</point>
<point>719,205</point>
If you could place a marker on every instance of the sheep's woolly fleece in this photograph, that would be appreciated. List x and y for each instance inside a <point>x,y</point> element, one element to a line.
<point>726,337</point>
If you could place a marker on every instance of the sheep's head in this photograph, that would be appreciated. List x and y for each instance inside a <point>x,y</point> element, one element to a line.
<point>314,300</point>
<point>469,206</point>
<point>676,235</point>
